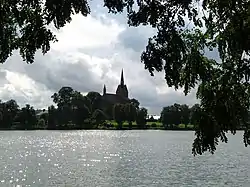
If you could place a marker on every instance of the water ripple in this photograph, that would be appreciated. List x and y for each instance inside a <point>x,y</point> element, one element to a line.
<point>117,158</point>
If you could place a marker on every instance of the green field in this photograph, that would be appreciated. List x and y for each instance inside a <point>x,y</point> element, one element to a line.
<point>150,125</point>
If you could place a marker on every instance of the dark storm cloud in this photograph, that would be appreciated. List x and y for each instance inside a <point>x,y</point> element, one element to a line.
<point>57,73</point>
<point>76,75</point>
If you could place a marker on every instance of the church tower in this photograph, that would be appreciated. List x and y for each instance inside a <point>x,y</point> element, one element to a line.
<point>104,90</point>
<point>122,79</point>
<point>122,88</point>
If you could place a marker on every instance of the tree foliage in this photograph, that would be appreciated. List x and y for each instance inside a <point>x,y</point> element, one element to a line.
<point>8,112</point>
<point>24,24</point>
<point>72,111</point>
<point>195,113</point>
<point>73,107</point>
<point>119,114</point>
<point>52,114</point>
<point>27,117</point>
<point>172,116</point>
<point>177,49</point>
<point>130,113</point>
<point>141,116</point>
<point>135,102</point>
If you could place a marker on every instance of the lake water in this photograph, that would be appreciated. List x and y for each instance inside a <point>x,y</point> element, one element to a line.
<point>118,159</point>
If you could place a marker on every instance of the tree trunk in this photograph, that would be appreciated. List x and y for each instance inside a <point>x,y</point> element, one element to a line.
<point>119,126</point>
<point>130,125</point>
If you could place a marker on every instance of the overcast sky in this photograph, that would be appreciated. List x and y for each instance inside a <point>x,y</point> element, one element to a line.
<point>91,52</point>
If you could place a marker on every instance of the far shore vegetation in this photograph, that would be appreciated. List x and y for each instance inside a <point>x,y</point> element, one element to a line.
<point>75,111</point>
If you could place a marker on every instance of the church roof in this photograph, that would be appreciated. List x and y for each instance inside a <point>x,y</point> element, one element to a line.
<point>113,98</point>
<point>122,87</point>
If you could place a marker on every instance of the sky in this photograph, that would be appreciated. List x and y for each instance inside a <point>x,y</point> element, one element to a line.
<point>91,52</point>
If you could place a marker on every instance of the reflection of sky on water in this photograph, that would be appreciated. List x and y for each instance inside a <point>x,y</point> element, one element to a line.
<point>117,158</point>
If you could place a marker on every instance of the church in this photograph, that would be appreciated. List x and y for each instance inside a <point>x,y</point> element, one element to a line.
<point>108,100</point>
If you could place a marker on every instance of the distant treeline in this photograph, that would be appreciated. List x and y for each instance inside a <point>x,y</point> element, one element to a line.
<point>72,110</point>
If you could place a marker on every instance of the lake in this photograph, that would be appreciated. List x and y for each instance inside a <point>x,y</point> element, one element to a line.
<point>118,159</point>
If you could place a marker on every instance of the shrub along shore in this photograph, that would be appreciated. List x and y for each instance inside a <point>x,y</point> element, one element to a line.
<point>75,111</point>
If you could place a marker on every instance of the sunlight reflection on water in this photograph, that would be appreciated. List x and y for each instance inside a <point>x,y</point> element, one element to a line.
<point>117,158</point>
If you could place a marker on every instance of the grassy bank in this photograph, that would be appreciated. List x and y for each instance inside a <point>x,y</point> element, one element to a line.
<point>149,125</point>
<point>109,125</point>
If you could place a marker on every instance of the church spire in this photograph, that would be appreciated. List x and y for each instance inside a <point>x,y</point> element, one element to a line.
<point>104,89</point>
<point>122,88</point>
<point>122,79</point>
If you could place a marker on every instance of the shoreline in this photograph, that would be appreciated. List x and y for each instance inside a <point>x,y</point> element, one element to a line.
<point>96,129</point>
<point>102,129</point>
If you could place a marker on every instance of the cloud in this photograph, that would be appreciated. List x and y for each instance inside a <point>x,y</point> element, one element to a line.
<point>136,38</point>
<point>91,52</point>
